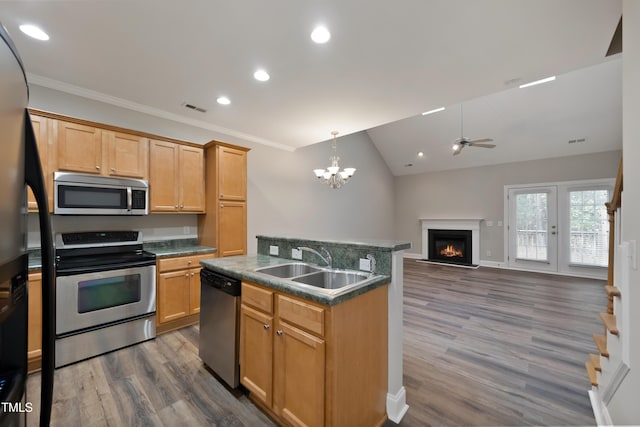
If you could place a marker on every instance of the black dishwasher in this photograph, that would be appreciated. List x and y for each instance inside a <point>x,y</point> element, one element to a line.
<point>220,325</point>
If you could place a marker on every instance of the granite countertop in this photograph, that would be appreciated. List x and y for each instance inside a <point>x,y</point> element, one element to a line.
<point>181,247</point>
<point>242,267</point>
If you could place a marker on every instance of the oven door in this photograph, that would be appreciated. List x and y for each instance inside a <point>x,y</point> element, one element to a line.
<point>93,299</point>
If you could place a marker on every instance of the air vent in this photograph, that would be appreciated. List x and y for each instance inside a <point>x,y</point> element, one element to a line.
<point>577,141</point>
<point>193,107</point>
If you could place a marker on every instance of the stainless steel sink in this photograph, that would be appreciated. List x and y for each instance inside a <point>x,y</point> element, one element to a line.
<point>287,271</point>
<point>332,279</point>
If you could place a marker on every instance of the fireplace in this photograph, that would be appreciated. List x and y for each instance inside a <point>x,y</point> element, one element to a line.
<point>450,246</point>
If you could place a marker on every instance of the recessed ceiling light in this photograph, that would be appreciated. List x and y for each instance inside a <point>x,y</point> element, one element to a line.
<point>223,100</point>
<point>537,82</point>
<point>420,154</point>
<point>433,111</point>
<point>35,32</point>
<point>320,34</point>
<point>261,75</point>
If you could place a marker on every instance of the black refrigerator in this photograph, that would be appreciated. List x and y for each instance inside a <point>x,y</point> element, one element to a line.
<point>19,167</point>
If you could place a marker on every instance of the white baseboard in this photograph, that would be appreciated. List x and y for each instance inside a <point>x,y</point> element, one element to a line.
<point>397,405</point>
<point>493,264</point>
<point>600,412</point>
<point>412,255</point>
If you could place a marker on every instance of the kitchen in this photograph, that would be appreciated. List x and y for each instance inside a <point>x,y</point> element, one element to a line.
<point>334,214</point>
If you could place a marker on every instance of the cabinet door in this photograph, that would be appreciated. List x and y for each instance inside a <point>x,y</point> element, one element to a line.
<point>256,353</point>
<point>232,228</point>
<point>232,174</point>
<point>163,176</point>
<point>192,173</point>
<point>299,382</point>
<point>79,148</point>
<point>194,291</point>
<point>40,129</point>
<point>173,295</point>
<point>127,154</point>
<point>34,325</point>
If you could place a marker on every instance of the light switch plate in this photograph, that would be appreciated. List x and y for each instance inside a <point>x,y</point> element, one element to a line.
<point>365,264</point>
<point>489,223</point>
<point>273,250</point>
<point>296,253</point>
<point>499,223</point>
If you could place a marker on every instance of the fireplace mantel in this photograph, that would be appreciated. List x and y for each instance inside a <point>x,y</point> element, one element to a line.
<point>452,224</point>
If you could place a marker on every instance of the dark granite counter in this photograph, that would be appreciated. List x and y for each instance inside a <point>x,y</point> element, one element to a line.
<point>243,268</point>
<point>179,247</point>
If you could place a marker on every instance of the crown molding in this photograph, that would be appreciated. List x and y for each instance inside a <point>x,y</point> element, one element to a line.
<point>145,109</point>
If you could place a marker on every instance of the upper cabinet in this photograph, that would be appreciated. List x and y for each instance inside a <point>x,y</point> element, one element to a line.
<point>127,155</point>
<point>176,177</point>
<point>232,173</point>
<point>79,148</point>
<point>42,130</point>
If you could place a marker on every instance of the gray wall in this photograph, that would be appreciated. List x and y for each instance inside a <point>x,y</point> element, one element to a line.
<point>478,193</point>
<point>284,197</point>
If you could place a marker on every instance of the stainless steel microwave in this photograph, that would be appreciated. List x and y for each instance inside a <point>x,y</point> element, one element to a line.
<point>80,194</point>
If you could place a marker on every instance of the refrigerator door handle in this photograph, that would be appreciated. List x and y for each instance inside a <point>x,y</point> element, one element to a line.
<point>35,180</point>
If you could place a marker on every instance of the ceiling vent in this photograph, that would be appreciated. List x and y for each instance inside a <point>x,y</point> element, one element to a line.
<point>193,107</point>
<point>577,141</point>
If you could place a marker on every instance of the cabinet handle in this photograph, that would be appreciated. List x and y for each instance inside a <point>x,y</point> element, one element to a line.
<point>181,206</point>
<point>192,274</point>
<point>98,167</point>
<point>221,195</point>
<point>186,275</point>
<point>176,206</point>
<point>189,262</point>
<point>265,326</point>
<point>221,205</point>
<point>279,332</point>
<point>113,169</point>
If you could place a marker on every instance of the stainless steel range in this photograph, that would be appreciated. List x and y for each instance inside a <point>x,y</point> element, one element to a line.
<point>105,293</point>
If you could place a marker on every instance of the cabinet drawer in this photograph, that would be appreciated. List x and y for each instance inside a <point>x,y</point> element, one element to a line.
<point>299,313</point>
<point>256,297</point>
<point>181,263</point>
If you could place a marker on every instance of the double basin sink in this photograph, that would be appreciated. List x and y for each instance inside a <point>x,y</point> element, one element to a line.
<point>312,275</point>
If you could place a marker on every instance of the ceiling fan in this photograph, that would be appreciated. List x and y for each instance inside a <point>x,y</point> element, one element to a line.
<point>463,141</point>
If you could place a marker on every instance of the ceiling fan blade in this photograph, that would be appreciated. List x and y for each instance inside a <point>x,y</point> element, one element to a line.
<point>473,144</point>
<point>473,141</point>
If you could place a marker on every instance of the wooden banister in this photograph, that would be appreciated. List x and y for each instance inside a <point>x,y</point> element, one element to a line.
<point>612,207</point>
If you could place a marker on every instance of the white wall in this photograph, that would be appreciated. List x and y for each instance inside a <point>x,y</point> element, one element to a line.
<point>284,197</point>
<point>478,193</point>
<point>623,407</point>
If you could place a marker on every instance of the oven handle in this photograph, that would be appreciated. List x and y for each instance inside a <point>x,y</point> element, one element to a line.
<point>129,201</point>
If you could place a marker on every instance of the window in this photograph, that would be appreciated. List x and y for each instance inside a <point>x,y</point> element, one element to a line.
<point>589,227</point>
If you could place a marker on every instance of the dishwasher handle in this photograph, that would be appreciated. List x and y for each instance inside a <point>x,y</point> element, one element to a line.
<point>226,284</point>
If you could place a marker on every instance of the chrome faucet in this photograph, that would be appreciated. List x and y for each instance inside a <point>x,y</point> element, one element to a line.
<point>372,260</point>
<point>327,259</point>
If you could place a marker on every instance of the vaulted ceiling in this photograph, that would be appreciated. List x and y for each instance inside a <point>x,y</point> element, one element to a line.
<point>386,63</point>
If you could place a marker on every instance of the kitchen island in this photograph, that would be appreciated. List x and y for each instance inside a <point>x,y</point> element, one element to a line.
<point>316,356</point>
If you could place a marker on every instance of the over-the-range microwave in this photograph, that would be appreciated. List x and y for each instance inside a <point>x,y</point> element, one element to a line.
<point>80,194</point>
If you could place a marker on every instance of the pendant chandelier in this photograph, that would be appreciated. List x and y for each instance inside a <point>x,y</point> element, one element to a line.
<point>333,176</point>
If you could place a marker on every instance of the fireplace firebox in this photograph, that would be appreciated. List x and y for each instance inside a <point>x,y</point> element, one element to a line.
<point>450,246</point>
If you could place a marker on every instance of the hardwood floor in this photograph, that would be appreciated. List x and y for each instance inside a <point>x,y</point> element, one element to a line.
<point>497,347</point>
<point>481,347</point>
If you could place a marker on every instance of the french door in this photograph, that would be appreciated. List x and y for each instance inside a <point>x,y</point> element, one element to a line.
<point>562,228</point>
<point>532,228</point>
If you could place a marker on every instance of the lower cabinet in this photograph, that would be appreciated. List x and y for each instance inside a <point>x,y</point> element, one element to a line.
<point>178,291</point>
<point>34,323</point>
<point>309,364</point>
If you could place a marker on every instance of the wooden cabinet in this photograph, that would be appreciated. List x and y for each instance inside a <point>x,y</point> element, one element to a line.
<point>79,148</point>
<point>34,323</point>
<point>127,155</point>
<point>178,287</point>
<point>232,173</point>
<point>42,129</point>
<point>314,365</point>
<point>176,177</point>
<point>225,224</point>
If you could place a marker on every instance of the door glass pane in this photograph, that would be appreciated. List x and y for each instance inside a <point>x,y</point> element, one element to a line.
<point>589,224</point>
<point>531,226</point>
